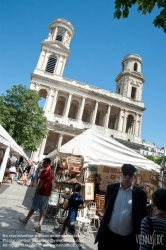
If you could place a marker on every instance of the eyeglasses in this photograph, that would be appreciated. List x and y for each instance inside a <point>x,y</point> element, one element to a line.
<point>126,173</point>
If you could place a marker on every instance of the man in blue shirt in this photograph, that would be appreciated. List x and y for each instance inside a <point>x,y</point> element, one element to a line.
<point>74,203</point>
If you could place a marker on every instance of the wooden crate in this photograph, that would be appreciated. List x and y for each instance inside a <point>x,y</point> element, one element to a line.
<point>100,202</point>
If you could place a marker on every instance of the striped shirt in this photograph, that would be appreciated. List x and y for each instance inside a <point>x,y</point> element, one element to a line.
<point>157,240</point>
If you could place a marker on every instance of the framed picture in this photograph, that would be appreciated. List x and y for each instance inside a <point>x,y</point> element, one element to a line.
<point>89,191</point>
<point>113,170</point>
<point>106,169</point>
<point>112,177</point>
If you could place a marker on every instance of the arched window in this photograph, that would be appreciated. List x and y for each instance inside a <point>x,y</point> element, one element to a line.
<point>60,34</point>
<point>73,110</point>
<point>130,125</point>
<point>51,64</point>
<point>59,109</point>
<point>99,118</point>
<point>43,96</point>
<point>86,117</point>
<point>112,120</point>
<point>135,66</point>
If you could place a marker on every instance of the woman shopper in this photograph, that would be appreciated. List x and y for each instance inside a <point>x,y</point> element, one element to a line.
<point>153,229</point>
<point>21,168</point>
<point>32,174</point>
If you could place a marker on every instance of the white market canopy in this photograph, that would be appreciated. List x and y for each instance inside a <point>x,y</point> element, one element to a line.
<point>7,141</point>
<point>99,149</point>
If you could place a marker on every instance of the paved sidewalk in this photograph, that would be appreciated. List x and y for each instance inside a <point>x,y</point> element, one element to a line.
<point>15,201</point>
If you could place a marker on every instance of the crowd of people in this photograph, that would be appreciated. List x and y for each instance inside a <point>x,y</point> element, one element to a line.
<point>24,171</point>
<point>124,223</point>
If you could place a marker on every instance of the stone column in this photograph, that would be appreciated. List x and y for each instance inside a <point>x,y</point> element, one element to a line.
<point>35,155</point>
<point>64,37</point>
<point>116,123</point>
<point>47,107</point>
<point>37,86</point>
<point>124,121</point>
<point>54,101</point>
<point>140,125</point>
<point>107,116</point>
<point>55,33</point>
<point>81,108</point>
<point>60,140</point>
<point>136,125</point>
<point>42,147</point>
<point>133,128</point>
<point>44,108</point>
<point>41,60</point>
<point>68,105</point>
<point>120,120</point>
<point>45,60</point>
<point>95,112</point>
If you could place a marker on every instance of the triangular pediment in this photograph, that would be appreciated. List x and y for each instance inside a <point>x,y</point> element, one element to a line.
<point>55,44</point>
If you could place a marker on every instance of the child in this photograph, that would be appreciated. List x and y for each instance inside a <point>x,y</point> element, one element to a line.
<point>24,178</point>
<point>74,203</point>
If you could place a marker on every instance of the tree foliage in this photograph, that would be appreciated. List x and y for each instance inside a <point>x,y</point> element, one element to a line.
<point>122,8</point>
<point>22,117</point>
<point>157,160</point>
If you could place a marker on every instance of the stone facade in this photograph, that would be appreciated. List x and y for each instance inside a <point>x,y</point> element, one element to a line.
<point>72,106</point>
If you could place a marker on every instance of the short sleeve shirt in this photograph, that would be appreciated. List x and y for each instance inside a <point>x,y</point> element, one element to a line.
<point>75,201</point>
<point>47,175</point>
<point>22,165</point>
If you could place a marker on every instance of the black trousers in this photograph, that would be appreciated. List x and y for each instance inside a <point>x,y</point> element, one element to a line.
<point>111,241</point>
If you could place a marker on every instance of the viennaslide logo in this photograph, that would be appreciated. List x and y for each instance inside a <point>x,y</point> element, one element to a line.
<point>147,239</point>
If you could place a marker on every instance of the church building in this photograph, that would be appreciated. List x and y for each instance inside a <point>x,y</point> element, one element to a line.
<point>72,106</point>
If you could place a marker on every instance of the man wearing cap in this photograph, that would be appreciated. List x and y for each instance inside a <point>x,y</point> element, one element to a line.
<point>125,207</point>
<point>42,194</point>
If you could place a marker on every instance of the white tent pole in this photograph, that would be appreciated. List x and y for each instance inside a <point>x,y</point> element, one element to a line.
<point>3,164</point>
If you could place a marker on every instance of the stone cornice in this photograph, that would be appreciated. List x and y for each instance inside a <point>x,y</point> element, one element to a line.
<point>64,129</point>
<point>58,46</point>
<point>130,73</point>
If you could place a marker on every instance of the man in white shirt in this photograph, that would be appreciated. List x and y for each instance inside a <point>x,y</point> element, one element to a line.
<point>125,207</point>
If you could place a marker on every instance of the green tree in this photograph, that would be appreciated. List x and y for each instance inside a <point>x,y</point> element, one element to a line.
<point>150,157</point>
<point>144,6</point>
<point>22,117</point>
<point>157,160</point>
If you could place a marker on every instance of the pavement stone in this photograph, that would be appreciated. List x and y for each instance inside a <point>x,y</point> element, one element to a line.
<point>15,202</point>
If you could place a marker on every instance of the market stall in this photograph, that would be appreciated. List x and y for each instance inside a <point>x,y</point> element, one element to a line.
<point>8,148</point>
<point>105,156</point>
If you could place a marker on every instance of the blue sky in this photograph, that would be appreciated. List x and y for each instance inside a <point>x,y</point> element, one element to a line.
<point>99,45</point>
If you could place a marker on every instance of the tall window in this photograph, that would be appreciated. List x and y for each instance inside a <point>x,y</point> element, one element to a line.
<point>130,125</point>
<point>99,118</point>
<point>112,120</point>
<point>60,34</point>
<point>133,93</point>
<point>60,106</point>
<point>86,117</point>
<point>51,64</point>
<point>73,109</point>
<point>135,66</point>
